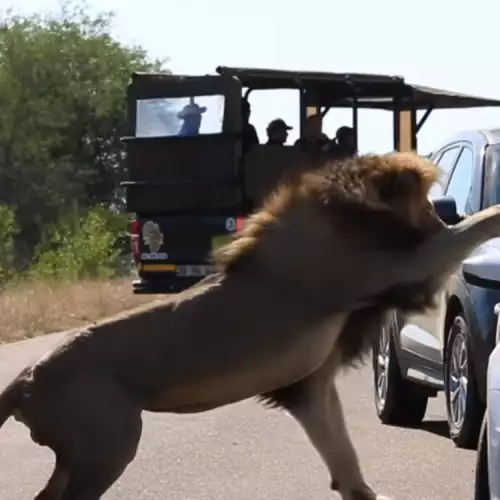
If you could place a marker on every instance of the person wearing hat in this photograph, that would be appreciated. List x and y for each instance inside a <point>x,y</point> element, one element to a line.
<point>277,132</point>
<point>191,116</point>
<point>344,144</point>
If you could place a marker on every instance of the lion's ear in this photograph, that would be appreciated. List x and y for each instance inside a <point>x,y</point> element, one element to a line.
<point>397,184</point>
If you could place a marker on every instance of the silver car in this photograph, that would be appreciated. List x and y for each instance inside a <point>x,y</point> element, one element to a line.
<point>487,480</point>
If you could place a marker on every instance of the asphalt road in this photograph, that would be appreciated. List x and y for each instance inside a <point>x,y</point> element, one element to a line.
<point>244,452</point>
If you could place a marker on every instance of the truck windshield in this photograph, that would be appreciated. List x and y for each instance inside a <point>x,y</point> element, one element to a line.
<point>179,116</point>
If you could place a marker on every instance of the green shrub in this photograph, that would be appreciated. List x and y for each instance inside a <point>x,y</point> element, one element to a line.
<point>8,230</point>
<point>81,247</point>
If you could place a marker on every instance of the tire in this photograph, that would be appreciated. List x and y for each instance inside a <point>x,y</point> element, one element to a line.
<point>481,479</point>
<point>464,410</point>
<point>397,401</point>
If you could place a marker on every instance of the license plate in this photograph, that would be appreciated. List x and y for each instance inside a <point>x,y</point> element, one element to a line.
<point>220,240</point>
<point>194,270</point>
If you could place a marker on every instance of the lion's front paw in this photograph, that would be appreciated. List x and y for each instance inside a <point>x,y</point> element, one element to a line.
<point>365,494</point>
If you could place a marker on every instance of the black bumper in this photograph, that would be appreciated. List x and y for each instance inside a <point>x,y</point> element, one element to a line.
<point>172,285</point>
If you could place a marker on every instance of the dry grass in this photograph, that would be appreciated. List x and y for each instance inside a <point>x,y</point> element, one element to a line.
<point>34,309</point>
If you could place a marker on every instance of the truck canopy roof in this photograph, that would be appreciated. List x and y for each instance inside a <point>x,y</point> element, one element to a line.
<point>341,89</point>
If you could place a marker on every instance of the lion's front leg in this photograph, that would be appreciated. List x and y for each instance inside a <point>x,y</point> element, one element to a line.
<point>441,253</point>
<point>319,412</point>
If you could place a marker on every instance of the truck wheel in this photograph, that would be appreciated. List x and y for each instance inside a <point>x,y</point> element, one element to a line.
<point>463,408</point>
<point>481,480</point>
<point>397,401</point>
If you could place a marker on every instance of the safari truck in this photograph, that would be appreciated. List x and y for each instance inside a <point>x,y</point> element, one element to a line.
<point>191,179</point>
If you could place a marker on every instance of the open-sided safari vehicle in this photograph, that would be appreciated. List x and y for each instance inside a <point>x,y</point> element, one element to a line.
<point>191,180</point>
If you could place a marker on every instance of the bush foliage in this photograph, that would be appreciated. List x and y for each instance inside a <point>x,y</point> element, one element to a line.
<point>78,247</point>
<point>8,230</point>
<point>81,247</point>
<point>63,81</point>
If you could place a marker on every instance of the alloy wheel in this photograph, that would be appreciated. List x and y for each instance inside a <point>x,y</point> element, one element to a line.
<point>458,380</point>
<point>382,366</point>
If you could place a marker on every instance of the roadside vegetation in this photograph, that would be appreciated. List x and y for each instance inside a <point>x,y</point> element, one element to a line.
<point>64,248</point>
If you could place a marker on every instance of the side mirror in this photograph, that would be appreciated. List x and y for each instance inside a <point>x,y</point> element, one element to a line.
<point>483,268</point>
<point>446,208</point>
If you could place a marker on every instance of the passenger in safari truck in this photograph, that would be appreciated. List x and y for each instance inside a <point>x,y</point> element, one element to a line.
<point>191,116</point>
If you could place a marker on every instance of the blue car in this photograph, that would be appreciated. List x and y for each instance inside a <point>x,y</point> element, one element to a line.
<point>447,349</point>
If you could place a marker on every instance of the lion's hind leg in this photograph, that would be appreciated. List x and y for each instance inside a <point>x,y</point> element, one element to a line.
<point>90,479</point>
<point>315,404</point>
<point>91,470</point>
<point>54,489</point>
<point>106,441</point>
<point>94,428</point>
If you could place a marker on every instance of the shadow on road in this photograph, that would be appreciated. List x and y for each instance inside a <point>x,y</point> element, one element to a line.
<point>437,427</point>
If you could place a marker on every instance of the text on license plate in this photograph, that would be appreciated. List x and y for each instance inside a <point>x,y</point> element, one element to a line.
<point>194,270</point>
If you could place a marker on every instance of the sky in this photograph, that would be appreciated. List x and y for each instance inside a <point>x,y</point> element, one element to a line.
<point>434,43</point>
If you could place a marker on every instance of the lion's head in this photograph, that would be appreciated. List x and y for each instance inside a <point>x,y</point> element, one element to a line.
<point>399,183</point>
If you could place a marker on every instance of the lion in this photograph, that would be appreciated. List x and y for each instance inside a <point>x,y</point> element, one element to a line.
<point>298,294</point>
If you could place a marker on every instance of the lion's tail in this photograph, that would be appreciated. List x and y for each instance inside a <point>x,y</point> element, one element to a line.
<point>11,396</point>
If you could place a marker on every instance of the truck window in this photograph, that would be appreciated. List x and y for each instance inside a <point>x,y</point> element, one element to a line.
<point>180,116</point>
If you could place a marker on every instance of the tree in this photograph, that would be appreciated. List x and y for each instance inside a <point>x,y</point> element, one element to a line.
<point>63,79</point>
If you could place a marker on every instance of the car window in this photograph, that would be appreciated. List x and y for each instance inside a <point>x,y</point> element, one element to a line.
<point>460,182</point>
<point>445,162</point>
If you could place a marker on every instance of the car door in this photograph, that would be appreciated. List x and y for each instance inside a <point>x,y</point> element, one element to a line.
<point>460,187</point>
<point>420,337</point>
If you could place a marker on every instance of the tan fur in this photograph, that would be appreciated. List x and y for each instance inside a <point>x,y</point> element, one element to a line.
<point>299,294</point>
<point>353,182</point>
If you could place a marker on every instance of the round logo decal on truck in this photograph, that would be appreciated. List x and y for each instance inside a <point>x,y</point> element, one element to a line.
<point>230,224</point>
<point>152,236</point>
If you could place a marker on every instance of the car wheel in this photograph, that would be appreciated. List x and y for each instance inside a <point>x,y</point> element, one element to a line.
<point>463,408</point>
<point>481,480</point>
<point>397,401</point>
